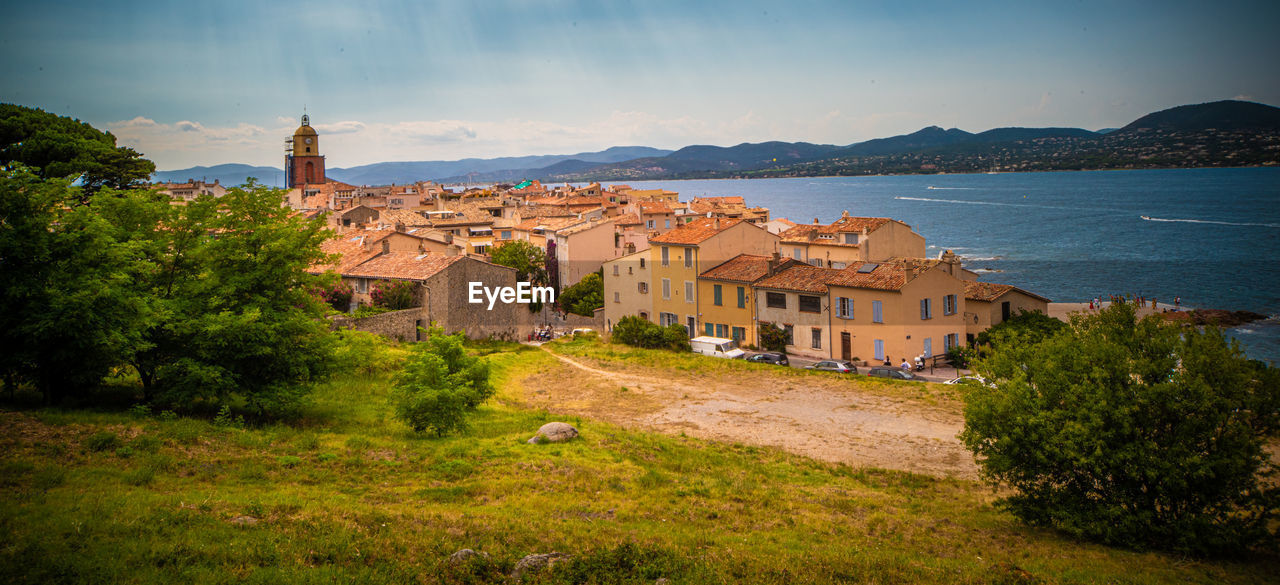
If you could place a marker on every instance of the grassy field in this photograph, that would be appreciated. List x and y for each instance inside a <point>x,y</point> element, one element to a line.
<point>348,494</point>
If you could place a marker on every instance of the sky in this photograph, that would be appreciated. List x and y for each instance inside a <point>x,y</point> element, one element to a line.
<point>204,83</point>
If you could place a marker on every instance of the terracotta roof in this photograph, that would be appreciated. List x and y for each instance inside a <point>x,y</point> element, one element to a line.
<point>744,268</point>
<point>696,231</point>
<point>885,276</point>
<point>804,233</point>
<point>800,277</point>
<point>582,227</point>
<point>650,207</point>
<point>632,219</point>
<point>408,218</point>
<point>990,291</point>
<point>352,249</point>
<point>402,266</point>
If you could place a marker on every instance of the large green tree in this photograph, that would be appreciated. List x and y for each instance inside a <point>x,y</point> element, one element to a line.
<point>528,260</point>
<point>60,147</point>
<point>1132,432</point>
<point>441,385</point>
<point>584,297</point>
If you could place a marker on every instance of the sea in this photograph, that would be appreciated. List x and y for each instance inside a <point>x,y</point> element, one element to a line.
<point>1208,236</point>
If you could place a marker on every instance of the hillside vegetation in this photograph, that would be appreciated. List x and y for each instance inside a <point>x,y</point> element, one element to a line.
<point>348,494</point>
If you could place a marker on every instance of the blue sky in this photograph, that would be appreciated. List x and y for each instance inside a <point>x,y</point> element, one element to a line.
<point>209,83</point>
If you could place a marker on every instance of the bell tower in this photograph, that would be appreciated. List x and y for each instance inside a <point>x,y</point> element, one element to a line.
<point>303,164</point>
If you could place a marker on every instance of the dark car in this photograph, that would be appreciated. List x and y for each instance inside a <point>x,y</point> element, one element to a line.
<point>893,373</point>
<point>777,359</point>
<point>834,366</point>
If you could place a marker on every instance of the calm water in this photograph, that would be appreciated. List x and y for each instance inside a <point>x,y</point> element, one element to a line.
<point>1212,237</point>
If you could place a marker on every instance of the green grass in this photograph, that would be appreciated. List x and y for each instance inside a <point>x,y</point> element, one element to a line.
<point>348,494</point>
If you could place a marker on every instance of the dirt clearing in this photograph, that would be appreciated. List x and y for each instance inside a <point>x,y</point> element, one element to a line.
<point>822,417</point>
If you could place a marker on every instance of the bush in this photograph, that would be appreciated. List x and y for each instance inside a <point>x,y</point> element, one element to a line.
<point>363,352</point>
<point>774,338</point>
<point>1025,327</point>
<point>637,332</point>
<point>960,356</point>
<point>585,297</point>
<point>1136,433</point>
<point>440,385</point>
<point>102,441</point>
<point>337,296</point>
<point>395,295</point>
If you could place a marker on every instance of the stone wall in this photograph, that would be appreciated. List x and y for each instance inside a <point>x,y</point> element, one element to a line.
<point>398,325</point>
<point>448,303</point>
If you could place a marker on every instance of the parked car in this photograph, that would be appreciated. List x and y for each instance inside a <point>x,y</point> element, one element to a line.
<point>777,359</point>
<point>716,347</point>
<point>834,366</point>
<point>893,373</point>
<point>976,380</point>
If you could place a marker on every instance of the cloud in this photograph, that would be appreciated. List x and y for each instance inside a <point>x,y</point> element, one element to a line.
<point>189,126</point>
<point>138,122</point>
<point>437,132</point>
<point>1244,97</point>
<point>346,127</point>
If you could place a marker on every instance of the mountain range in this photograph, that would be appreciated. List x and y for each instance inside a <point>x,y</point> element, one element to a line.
<point>1225,133</point>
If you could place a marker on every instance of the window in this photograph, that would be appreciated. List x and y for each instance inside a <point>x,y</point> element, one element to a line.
<point>617,297</point>
<point>691,327</point>
<point>950,341</point>
<point>810,304</point>
<point>817,337</point>
<point>796,253</point>
<point>775,300</point>
<point>926,309</point>
<point>739,334</point>
<point>816,262</point>
<point>666,319</point>
<point>481,249</point>
<point>666,288</point>
<point>949,305</point>
<point>642,262</point>
<point>643,287</point>
<point>506,234</point>
<point>928,347</point>
<point>362,285</point>
<point>838,265</point>
<point>688,292</point>
<point>631,270</point>
<point>790,331</point>
<point>688,257</point>
<point>668,224</point>
<point>718,296</point>
<point>851,238</point>
<point>877,312</point>
<point>879,343</point>
<point>742,298</point>
<point>649,224</point>
<point>666,256</point>
<point>722,330</point>
<point>615,269</point>
<point>844,307</point>
<point>709,329</point>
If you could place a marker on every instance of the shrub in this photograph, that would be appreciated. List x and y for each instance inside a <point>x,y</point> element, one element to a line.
<point>960,356</point>
<point>363,352</point>
<point>774,338</point>
<point>1025,327</point>
<point>585,297</point>
<point>1137,433</point>
<point>637,332</point>
<point>440,385</point>
<point>337,296</point>
<point>368,311</point>
<point>395,295</point>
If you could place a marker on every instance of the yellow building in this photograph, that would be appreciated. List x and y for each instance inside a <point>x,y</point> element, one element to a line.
<point>727,298</point>
<point>988,304</point>
<point>680,255</point>
<point>897,310</point>
<point>851,240</point>
<point>797,300</point>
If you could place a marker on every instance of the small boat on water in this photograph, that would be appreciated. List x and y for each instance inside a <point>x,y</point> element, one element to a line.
<point>1145,217</point>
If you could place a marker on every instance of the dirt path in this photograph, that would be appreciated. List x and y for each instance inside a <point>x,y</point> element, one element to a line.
<point>820,417</point>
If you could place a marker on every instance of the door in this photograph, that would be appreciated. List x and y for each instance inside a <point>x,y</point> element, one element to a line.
<point>1004,311</point>
<point>880,349</point>
<point>928,347</point>
<point>846,352</point>
<point>693,327</point>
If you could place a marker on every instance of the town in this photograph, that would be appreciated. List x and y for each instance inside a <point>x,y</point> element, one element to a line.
<point>856,289</point>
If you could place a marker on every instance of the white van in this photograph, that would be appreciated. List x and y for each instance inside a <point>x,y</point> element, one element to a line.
<point>717,347</point>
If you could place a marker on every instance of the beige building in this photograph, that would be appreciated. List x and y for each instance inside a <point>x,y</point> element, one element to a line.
<point>727,297</point>
<point>627,282</point>
<point>851,240</point>
<point>897,310</point>
<point>988,304</point>
<point>680,255</point>
<point>797,300</point>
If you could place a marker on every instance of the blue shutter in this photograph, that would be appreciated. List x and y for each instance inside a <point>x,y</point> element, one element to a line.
<point>928,347</point>
<point>880,349</point>
<point>877,312</point>
<point>719,296</point>
<point>742,298</point>
<point>711,332</point>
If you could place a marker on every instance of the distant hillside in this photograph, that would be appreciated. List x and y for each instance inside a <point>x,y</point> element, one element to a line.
<point>1230,115</point>
<point>228,174</point>
<point>478,170</point>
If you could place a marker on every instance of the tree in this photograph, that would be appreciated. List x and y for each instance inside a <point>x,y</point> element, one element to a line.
<point>1132,432</point>
<point>585,297</point>
<point>441,385</point>
<point>635,331</point>
<point>529,262</point>
<point>70,311</point>
<point>1025,327</point>
<point>60,147</point>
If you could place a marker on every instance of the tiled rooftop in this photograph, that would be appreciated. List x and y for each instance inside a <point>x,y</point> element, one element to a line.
<point>696,231</point>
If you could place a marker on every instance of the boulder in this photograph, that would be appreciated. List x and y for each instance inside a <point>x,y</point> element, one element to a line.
<point>554,432</point>
<point>244,521</point>
<point>537,562</point>
<point>465,555</point>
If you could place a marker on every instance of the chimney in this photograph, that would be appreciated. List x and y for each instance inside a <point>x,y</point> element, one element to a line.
<point>717,223</point>
<point>400,227</point>
<point>386,247</point>
<point>774,261</point>
<point>845,213</point>
<point>815,221</point>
